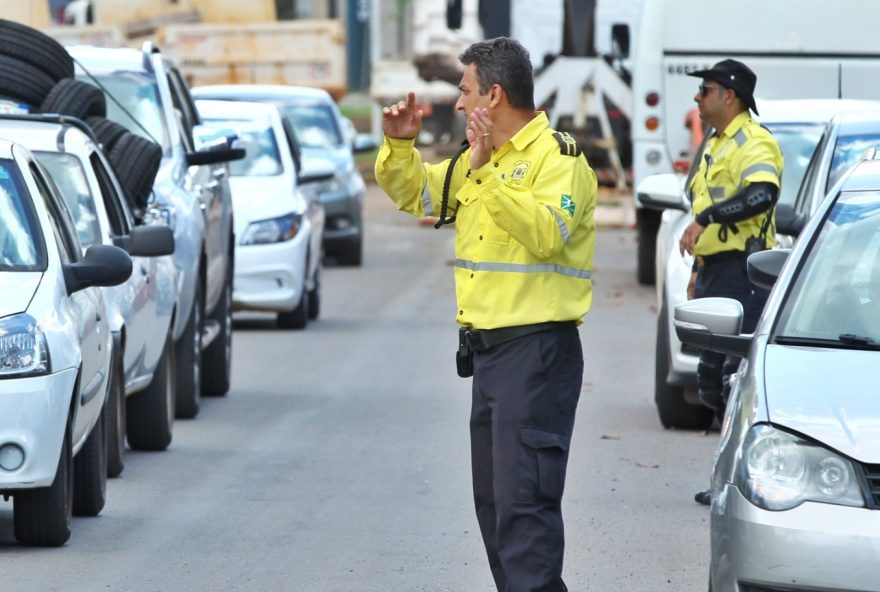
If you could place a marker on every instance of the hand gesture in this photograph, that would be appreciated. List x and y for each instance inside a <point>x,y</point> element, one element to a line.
<point>402,120</point>
<point>479,136</point>
<point>690,237</point>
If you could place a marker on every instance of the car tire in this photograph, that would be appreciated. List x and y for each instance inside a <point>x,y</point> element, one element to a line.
<point>647,224</point>
<point>75,98</point>
<point>41,516</point>
<point>314,296</point>
<point>106,131</point>
<point>150,413</point>
<point>90,472</point>
<point>298,318</point>
<point>114,417</point>
<point>217,357</point>
<point>672,407</point>
<point>352,255</point>
<point>136,162</point>
<point>36,49</point>
<point>23,82</point>
<point>188,354</point>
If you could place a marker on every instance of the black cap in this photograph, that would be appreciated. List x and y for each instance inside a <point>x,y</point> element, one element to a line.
<point>734,75</point>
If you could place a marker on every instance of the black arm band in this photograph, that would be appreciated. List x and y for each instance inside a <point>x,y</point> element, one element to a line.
<point>754,199</point>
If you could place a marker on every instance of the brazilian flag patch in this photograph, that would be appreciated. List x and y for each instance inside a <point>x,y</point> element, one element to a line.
<point>567,204</point>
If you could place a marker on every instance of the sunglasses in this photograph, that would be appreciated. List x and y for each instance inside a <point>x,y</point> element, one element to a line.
<point>705,90</point>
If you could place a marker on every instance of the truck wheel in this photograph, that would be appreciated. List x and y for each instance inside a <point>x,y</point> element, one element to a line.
<point>647,224</point>
<point>35,48</point>
<point>673,409</point>
<point>150,413</point>
<point>106,131</point>
<point>41,516</point>
<point>24,82</point>
<point>114,418</point>
<point>75,98</point>
<point>217,357</point>
<point>90,472</point>
<point>314,297</point>
<point>298,317</point>
<point>188,354</point>
<point>136,161</point>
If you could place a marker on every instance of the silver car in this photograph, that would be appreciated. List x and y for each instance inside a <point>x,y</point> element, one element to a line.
<point>796,479</point>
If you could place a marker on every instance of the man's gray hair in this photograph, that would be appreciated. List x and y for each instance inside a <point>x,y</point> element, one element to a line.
<point>505,62</point>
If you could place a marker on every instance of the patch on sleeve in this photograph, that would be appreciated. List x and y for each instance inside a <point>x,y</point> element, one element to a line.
<point>568,144</point>
<point>567,204</point>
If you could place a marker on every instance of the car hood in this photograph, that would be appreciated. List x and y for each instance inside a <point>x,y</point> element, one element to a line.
<point>18,289</point>
<point>262,198</point>
<point>837,403</point>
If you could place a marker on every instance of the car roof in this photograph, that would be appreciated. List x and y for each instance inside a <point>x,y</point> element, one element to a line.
<point>109,58</point>
<point>5,147</point>
<point>810,110</point>
<point>864,176</point>
<point>275,91</point>
<point>44,135</point>
<point>245,110</point>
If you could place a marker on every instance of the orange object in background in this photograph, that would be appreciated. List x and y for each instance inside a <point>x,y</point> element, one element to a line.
<point>693,122</point>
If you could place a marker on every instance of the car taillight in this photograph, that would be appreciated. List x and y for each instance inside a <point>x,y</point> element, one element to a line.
<point>652,99</point>
<point>652,124</point>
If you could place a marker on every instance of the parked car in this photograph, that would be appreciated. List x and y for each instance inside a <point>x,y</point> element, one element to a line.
<point>798,126</point>
<point>147,95</point>
<point>140,310</point>
<point>279,219</point>
<point>322,132</point>
<point>796,478</point>
<point>56,352</point>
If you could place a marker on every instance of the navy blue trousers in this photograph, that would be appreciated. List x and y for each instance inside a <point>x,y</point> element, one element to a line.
<point>525,393</point>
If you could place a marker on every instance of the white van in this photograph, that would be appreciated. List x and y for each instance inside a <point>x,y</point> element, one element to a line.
<point>798,49</point>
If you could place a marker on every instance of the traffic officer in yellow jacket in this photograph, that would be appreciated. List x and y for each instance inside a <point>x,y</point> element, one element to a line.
<point>733,195</point>
<point>522,198</point>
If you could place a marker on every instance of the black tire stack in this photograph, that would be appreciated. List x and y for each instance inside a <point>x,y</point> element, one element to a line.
<point>37,70</point>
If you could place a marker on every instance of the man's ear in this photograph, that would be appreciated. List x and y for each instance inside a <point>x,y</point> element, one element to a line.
<point>495,94</point>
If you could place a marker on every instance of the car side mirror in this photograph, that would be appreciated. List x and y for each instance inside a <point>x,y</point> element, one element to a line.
<point>364,143</point>
<point>148,241</point>
<point>214,156</point>
<point>663,192</point>
<point>102,265</point>
<point>764,267</point>
<point>713,324</point>
<point>789,221</point>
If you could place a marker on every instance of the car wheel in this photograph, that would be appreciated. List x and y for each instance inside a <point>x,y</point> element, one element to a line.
<point>106,131</point>
<point>672,407</point>
<point>647,223</point>
<point>150,413</point>
<point>41,516</point>
<point>35,48</point>
<point>217,357</point>
<point>90,472</point>
<point>136,162</point>
<point>188,354</point>
<point>114,418</point>
<point>314,297</point>
<point>75,98</point>
<point>298,317</point>
<point>24,82</point>
<point>352,255</point>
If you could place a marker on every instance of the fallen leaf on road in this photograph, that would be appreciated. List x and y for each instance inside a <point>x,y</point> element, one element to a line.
<point>607,437</point>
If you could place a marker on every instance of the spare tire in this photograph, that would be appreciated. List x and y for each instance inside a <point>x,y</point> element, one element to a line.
<point>21,81</point>
<point>106,131</point>
<point>35,48</point>
<point>75,98</point>
<point>136,162</point>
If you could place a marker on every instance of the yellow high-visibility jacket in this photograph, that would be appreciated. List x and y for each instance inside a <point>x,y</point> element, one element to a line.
<point>524,222</point>
<point>744,153</point>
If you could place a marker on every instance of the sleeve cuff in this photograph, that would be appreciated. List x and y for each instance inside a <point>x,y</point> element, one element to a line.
<point>400,146</point>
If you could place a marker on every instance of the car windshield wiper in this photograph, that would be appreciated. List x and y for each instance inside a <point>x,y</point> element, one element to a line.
<point>844,340</point>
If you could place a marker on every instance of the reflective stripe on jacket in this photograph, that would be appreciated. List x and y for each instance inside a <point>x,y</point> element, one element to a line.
<point>744,153</point>
<point>524,221</point>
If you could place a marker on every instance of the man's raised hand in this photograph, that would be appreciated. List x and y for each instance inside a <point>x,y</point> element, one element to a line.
<point>402,120</point>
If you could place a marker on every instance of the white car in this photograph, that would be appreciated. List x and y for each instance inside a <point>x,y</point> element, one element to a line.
<point>797,125</point>
<point>139,310</point>
<point>278,217</point>
<point>55,355</point>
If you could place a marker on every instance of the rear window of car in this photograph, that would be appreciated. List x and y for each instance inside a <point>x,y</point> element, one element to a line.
<point>70,177</point>
<point>315,125</point>
<point>849,150</point>
<point>22,247</point>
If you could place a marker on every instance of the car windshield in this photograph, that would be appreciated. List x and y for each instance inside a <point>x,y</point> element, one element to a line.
<point>847,151</point>
<point>262,158</point>
<point>136,105</point>
<point>837,292</point>
<point>797,143</point>
<point>314,124</point>
<point>21,243</point>
<point>70,178</point>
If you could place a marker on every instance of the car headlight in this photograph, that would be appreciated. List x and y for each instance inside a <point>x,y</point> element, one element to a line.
<point>23,350</point>
<point>780,471</point>
<point>274,230</point>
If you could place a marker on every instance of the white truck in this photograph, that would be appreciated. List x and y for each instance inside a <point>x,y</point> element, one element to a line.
<point>797,48</point>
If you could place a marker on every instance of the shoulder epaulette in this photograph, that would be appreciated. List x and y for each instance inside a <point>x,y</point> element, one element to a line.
<point>568,144</point>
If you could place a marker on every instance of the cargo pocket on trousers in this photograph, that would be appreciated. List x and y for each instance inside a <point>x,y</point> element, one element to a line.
<point>543,456</point>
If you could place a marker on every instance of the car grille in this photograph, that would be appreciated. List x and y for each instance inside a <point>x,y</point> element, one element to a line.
<point>871,485</point>
<point>756,588</point>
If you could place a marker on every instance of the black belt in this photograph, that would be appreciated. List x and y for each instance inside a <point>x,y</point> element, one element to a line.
<point>721,257</point>
<point>482,340</point>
